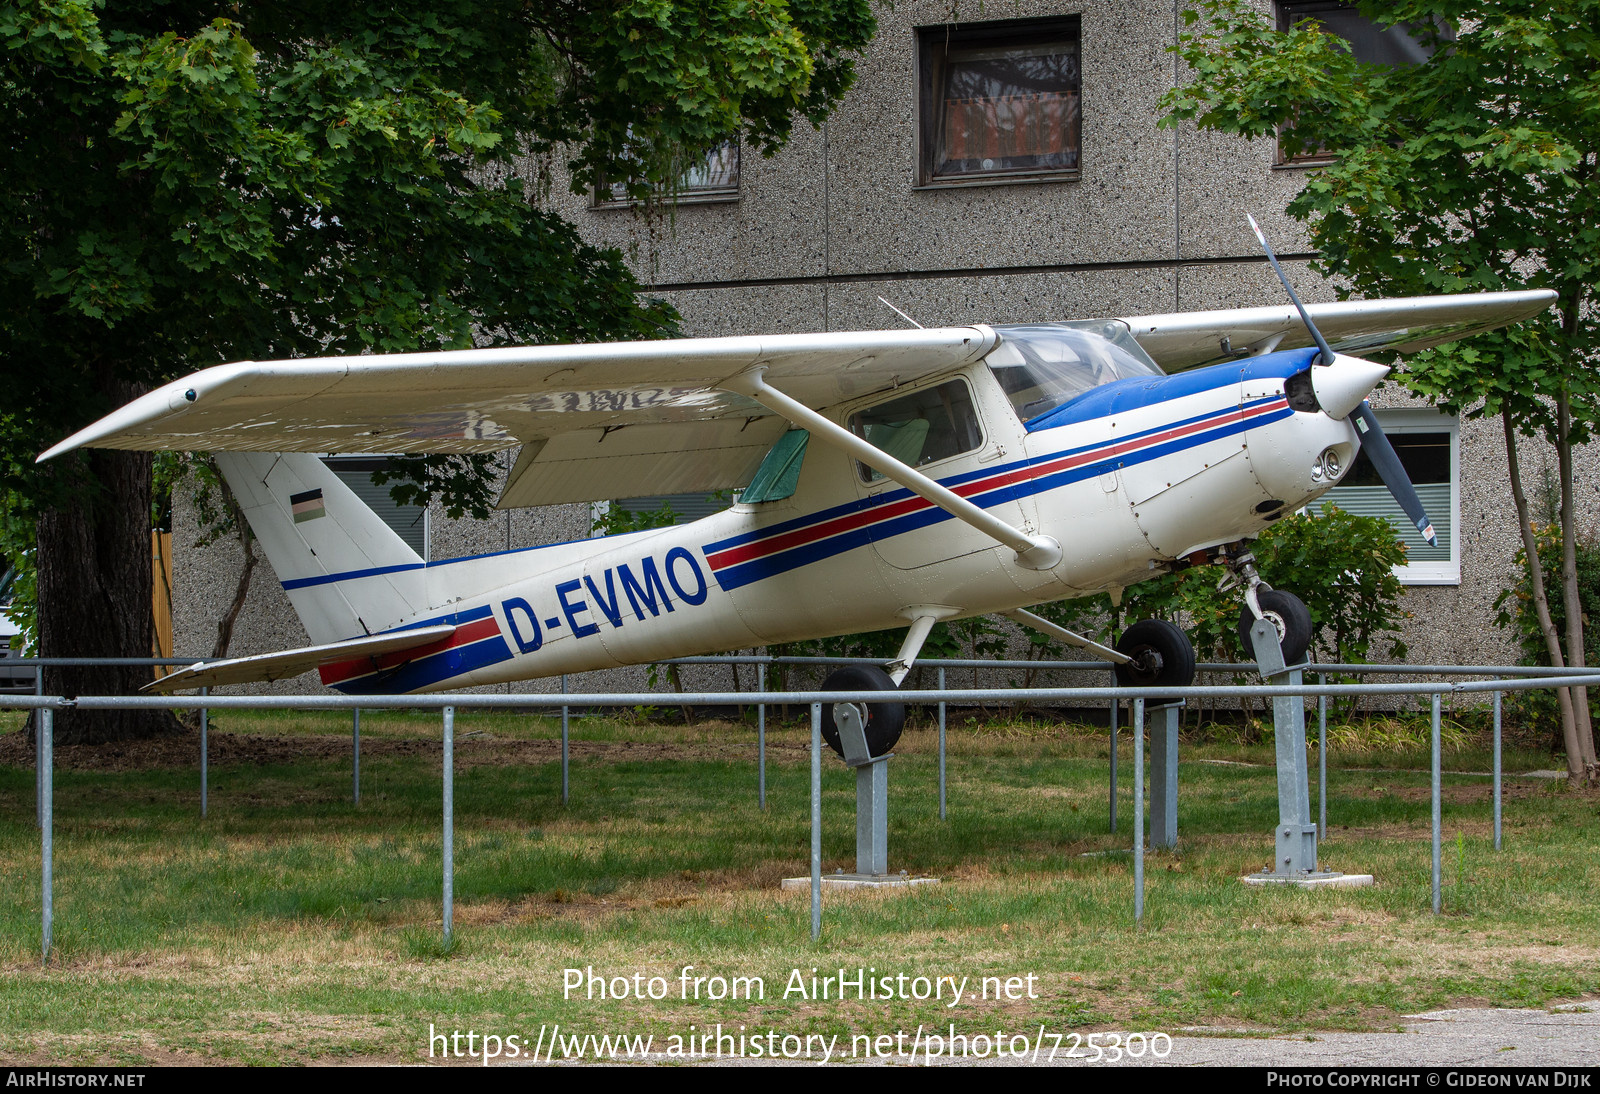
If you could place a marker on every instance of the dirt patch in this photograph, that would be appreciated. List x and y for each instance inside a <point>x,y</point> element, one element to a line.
<point>182,750</point>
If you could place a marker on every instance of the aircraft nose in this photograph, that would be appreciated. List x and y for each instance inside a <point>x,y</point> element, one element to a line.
<point>1341,386</point>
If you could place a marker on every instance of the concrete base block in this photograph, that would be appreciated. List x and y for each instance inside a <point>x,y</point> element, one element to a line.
<point>858,881</point>
<point>1319,880</point>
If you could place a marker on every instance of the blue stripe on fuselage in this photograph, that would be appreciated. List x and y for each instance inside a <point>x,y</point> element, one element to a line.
<point>1120,396</point>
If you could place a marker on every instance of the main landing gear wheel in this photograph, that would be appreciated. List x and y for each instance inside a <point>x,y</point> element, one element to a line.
<point>1162,656</point>
<point>884,720</point>
<point>1288,615</point>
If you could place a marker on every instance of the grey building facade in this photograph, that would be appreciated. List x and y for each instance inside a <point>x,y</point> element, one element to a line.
<point>1091,211</point>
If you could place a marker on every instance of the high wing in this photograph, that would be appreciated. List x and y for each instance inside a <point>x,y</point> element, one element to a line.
<point>595,421</point>
<point>629,419</point>
<point>1360,328</point>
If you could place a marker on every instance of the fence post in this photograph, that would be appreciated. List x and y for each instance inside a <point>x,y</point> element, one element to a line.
<point>1138,809</point>
<point>1497,770</point>
<point>1436,904</point>
<point>45,724</point>
<point>816,821</point>
<point>355,757</point>
<point>38,739</point>
<point>205,775</point>
<point>761,738</point>
<point>1322,760</point>
<point>449,820</point>
<point>1114,758</point>
<point>942,815</point>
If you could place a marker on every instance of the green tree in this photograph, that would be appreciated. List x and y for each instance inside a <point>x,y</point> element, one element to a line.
<point>1475,170</point>
<point>188,183</point>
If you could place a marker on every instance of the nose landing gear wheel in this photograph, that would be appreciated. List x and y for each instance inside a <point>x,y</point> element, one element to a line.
<point>1289,617</point>
<point>884,720</point>
<point>1162,656</point>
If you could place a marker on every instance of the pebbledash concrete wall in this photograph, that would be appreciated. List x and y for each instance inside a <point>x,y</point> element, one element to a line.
<point>1154,223</point>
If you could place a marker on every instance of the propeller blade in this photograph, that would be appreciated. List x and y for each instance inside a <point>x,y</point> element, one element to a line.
<point>1377,446</point>
<point>1394,476</point>
<point>1305,316</point>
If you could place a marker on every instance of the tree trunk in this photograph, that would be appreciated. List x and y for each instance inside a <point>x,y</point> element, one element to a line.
<point>1569,581</point>
<point>247,569</point>
<point>1541,602</point>
<point>94,594</point>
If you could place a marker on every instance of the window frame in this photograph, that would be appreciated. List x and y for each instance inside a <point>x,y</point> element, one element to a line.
<point>1400,422</point>
<point>871,480</point>
<point>606,198</point>
<point>929,54</point>
<point>1282,21</point>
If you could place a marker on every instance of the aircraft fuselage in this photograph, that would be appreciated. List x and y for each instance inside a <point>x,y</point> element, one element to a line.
<point>1130,478</point>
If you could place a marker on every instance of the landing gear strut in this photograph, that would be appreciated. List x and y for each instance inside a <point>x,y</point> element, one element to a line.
<point>1286,612</point>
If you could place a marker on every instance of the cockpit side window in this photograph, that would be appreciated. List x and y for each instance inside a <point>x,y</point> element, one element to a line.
<point>1041,367</point>
<point>924,427</point>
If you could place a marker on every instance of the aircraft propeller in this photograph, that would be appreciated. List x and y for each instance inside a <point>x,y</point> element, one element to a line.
<point>1340,389</point>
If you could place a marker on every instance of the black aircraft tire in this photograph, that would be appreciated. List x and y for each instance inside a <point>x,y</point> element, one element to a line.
<point>1289,615</point>
<point>884,720</point>
<point>1163,656</point>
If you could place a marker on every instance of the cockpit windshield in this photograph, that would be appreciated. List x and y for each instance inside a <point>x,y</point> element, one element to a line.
<point>1044,365</point>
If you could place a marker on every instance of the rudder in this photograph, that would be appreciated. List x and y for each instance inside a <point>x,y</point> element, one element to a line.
<point>344,570</point>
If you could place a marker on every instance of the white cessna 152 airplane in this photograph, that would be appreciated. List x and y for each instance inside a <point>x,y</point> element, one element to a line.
<point>890,478</point>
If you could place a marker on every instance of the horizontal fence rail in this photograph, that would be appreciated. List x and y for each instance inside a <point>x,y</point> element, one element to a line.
<point>931,697</point>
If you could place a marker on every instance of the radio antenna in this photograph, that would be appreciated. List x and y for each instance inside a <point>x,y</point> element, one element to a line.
<point>901,314</point>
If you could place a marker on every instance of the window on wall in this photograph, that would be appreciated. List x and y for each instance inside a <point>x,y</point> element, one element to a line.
<point>998,102</point>
<point>1396,45</point>
<point>1429,447</point>
<point>409,522</point>
<point>711,178</point>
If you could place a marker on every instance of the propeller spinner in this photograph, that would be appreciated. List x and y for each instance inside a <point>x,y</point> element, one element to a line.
<point>1341,383</point>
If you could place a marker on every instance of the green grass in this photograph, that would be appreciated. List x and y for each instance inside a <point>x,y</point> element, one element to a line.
<point>291,925</point>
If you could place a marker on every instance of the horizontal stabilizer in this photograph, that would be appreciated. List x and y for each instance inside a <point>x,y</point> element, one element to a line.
<point>286,663</point>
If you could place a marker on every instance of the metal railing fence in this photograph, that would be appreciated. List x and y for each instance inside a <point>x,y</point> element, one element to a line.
<point>1521,679</point>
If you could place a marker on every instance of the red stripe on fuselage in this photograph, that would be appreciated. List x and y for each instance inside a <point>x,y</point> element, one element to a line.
<point>848,523</point>
<point>337,672</point>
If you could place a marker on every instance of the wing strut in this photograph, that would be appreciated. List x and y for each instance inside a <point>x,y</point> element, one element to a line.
<point>1071,638</point>
<point>1034,552</point>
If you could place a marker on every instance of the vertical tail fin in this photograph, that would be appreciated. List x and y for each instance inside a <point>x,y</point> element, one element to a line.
<point>346,572</point>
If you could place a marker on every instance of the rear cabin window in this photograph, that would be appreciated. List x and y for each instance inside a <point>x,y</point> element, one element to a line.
<point>921,428</point>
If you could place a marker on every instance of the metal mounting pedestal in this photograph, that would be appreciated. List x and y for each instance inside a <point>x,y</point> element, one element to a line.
<point>872,808</point>
<point>1295,856</point>
<point>1164,773</point>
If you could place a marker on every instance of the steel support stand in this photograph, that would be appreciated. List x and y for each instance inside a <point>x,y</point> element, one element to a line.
<point>872,810</point>
<point>355,756</point>
<point>205,774</point>
<point>449,820</point>
<point>1295,839</point>
<point>564,736</point>
<point>1164,774</point>
<point>1137,725</point>
<point>942,785</point>
<point>872,791</point>
<point>1436,810</point>
<point>761,739</point>
<point>45,724</point>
